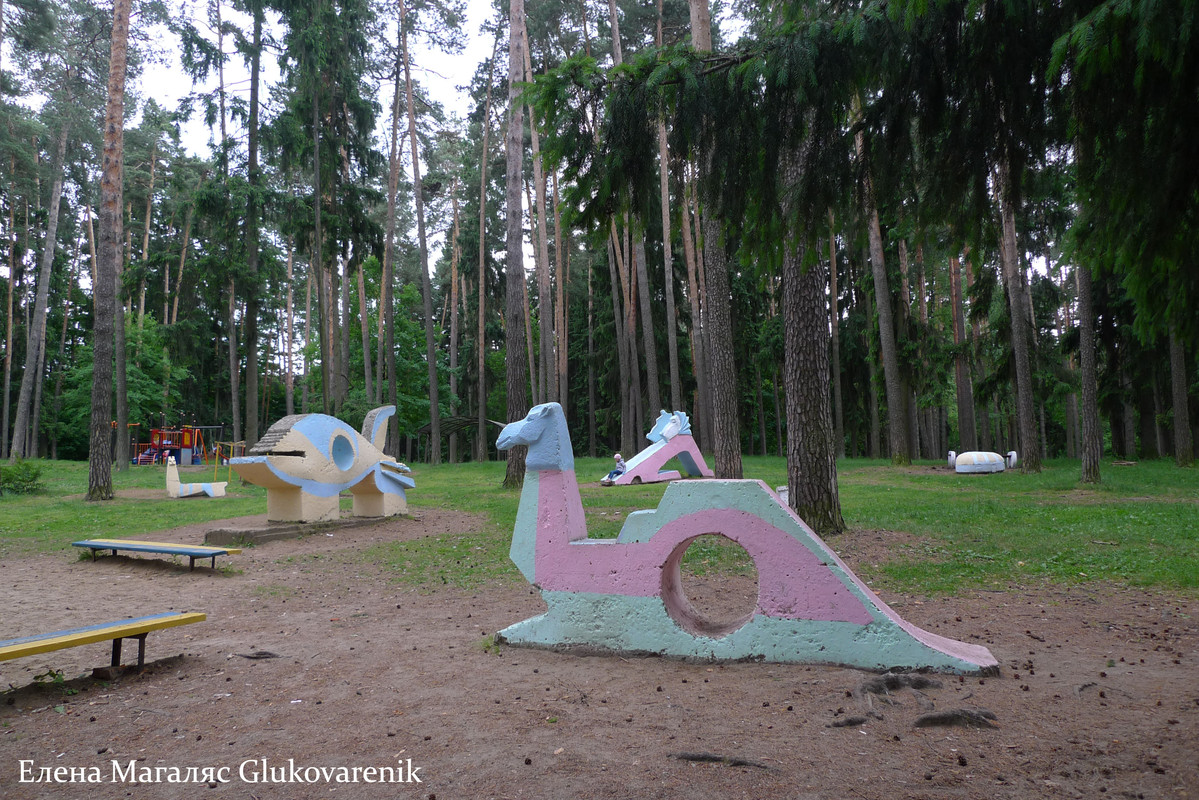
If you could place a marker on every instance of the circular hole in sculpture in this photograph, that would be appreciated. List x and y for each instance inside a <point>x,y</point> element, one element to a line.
<point>710,585</point>
<point>343,452</point>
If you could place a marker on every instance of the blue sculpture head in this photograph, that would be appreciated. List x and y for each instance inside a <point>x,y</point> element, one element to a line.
<point>544,432</point>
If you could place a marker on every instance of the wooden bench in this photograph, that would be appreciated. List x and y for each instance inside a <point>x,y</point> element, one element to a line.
<point>116,631</point>
<point>191,551</point>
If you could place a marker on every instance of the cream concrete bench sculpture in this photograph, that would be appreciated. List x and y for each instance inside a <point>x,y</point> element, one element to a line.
<point>306,460</point>
<point>626,594</point>
<point>177,489</point>
<point>116,631</point>
<point>671,438</point>
<point>975,461</point>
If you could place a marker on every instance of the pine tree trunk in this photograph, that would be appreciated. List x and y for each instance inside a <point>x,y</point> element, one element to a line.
<point>874,443</point>
<point>726,423</point>
<point>1030,457</point>
<point>761,408</point>
<point>1159,414</point>
<point>967,430</point>
<point>482,438</point>
<point>289,379</point>
<point>545,306</point>
<point>1128,416</point>
<point>304,387</point>
<point>120,383</point>
<point>722,369</point>
<point>365,327</point>
<point>622,351</point>
<point>341,330</point>
<point>11,241</point>
<point>61,362</point>
<point>254,178</point>
<point>141,292</point>
<point>811,451</point>
<point>1072,425</point>
<point>562,320</point>
<point>778,415</point>
<point>698,366</point>
<point>426,286</point>
<point>455,256</point>
<point>323,300</point>
<point>1091,446</point>
<point>835,325</point>
<point>385,358</point>
<point>672,323</point>
<point>99,486</point>
<point>591,446</point>
<point>1184,454</point>
<point>23,430</point>
<point>649,342</point>
<point>187,229</point>
<point>517,363</point>
<point>897,401</point>
<point>234,362</point>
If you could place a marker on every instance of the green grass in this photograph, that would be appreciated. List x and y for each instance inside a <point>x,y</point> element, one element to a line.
<point>52,519</point>
<point>1140,527</point>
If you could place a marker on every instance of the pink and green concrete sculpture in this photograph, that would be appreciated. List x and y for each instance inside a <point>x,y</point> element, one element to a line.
<point>671,438</point>
<point>625,595</point>
<point>306,460</point>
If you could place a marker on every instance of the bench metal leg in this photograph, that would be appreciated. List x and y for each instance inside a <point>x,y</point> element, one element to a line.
<point>191,564</point>
<point>141,649</point>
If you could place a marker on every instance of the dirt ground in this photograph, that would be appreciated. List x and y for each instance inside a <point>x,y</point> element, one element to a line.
<point>312,655</point>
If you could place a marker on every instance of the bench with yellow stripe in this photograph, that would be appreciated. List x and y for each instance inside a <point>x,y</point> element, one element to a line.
<point>191,551</point>
<point>116,631</point>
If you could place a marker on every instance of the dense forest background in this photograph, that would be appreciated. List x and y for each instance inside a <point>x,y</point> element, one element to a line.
<point>843,229</point>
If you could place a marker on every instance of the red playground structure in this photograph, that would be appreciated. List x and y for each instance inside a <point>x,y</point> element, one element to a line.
<point>185,443</point>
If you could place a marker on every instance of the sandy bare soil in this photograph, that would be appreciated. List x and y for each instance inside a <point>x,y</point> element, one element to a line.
<point>311,654</point>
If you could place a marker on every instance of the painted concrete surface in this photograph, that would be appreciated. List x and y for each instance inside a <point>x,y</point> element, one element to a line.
<point>177,489</point>
<point>974,461</point>
<point>642,625</point>
<point>626,594</point>
<point>306,461</point>
<point>670,438</point>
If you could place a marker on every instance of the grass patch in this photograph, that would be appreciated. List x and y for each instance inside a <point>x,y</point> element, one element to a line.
<point>1140,527</point>
<point>59,514</point>
<point>712,555</point>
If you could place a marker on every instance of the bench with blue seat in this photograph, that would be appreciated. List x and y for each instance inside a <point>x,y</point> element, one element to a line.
<point>191,551</point>
<point>116,631</point>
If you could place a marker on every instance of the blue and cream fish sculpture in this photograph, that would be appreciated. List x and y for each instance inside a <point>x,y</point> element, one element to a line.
<point>305,461</point>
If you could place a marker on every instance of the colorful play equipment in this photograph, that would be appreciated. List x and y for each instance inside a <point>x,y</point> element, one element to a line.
<point>177,489</point>
<point>306,460</point>
<point>975,461</point>
<point>670,438</point>
<point>625,595</point>
<point>185,444</point>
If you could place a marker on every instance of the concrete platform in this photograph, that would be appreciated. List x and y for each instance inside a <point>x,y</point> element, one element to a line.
<point>275,531</point>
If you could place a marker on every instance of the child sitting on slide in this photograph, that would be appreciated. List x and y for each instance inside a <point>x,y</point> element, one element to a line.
<point>616,472</point>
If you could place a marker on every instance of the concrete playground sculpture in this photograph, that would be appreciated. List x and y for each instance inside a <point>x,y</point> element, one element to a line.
<point>306,460</point>
<point>177,489</point>
<point>979,461</point>
<point>671,438</point>
<point>626,595</point>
